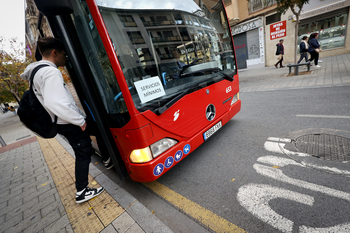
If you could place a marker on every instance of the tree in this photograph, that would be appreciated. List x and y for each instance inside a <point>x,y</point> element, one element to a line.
<point>295,6</point>
<point>11,66</point>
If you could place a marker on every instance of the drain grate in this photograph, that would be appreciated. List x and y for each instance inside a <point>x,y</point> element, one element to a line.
<point>325,146</point>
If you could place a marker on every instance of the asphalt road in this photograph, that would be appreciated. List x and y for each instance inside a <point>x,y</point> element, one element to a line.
<point>246,174</point>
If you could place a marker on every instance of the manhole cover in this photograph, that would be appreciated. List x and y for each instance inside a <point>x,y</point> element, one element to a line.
<point>325,146</point>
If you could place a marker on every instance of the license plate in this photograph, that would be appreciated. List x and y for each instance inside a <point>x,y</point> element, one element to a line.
<point>212,130</point>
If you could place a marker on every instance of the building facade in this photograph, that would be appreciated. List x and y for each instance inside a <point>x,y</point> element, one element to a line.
<point>257,28</point>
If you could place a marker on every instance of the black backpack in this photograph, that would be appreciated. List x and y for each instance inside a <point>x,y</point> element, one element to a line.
<point>33,115</point>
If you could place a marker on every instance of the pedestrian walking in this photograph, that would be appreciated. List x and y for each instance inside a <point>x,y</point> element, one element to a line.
<point>280,53</point>
<point>55,97</point>
<point>314,48</point>
<point>304,48</point>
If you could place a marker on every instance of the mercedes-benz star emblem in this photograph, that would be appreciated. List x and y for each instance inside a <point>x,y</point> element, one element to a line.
<point>210,112</point>
<point>207,91</point>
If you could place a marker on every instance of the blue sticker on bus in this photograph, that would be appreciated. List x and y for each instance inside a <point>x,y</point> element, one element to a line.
<point>187,149</point>
<point>178,156</point>
<point>169,162</point>
<point>158,169</point>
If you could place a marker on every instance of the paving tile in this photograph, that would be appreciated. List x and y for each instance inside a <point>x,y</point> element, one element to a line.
<point>109,229</point>
<point>44,222</point>
<point>22,208</point>
<point>39,206</point>
<point>123,222</point>
<point>58,225</point>
<point>107,210</point>
<point>51,207</point>
<point>10,224</point>
<point>135,229</point>
<point>95,225</point>
<point>24,224</point>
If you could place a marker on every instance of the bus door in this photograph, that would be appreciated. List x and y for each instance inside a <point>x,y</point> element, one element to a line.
<point>79,68</point>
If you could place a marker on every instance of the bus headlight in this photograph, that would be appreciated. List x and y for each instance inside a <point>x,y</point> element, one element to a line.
<point>141,155</point>
<point>235,98</point>
<point>161,146</point>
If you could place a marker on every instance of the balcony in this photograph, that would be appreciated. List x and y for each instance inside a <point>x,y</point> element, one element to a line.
<point>256,5</point>
<point>166,39</point>
<point>158,23</point>
<point>129,24</point>
<point>137,40</point>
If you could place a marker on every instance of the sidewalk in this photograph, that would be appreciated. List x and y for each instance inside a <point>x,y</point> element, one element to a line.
<point>37,190</point>
<point>334,71</point>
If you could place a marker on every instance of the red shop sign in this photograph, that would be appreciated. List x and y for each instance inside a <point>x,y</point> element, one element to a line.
<point>278,30</point>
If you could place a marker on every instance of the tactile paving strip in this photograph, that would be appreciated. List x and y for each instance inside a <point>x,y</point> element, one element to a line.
<point>91,216</point>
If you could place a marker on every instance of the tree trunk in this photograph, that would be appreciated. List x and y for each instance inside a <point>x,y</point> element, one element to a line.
<point>15,95</point>
<point>296,39</point>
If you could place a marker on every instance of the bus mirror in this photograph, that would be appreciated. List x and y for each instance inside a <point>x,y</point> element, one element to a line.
<point>52,8</point>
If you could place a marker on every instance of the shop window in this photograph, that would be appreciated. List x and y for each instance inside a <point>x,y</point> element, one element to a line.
<point>273,19</point>
<point>332,31</point>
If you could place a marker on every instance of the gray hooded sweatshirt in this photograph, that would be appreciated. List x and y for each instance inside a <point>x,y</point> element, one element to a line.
<point>53,94</point>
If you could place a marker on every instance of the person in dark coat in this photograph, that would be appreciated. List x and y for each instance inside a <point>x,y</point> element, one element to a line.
<point>280,51</point>
<point>313,44</point>
<point>304,48</point>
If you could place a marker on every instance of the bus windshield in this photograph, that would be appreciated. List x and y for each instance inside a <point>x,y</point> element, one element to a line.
<point>166,47</point>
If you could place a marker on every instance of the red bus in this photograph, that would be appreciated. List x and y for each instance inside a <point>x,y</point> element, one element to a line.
<point>159,77</point>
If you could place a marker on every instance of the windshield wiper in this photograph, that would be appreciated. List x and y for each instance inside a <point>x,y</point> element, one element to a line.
<point>226,76</point>
<point>212,70</point>
<point>188,90</point>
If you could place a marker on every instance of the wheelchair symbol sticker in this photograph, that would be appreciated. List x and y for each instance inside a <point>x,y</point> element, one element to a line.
<point>169,162</point>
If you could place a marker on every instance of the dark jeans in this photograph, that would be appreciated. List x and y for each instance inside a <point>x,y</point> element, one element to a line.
<point>314,56</point>
<point>81,144</point>
<point>302,55</point>
<point>280,62</point>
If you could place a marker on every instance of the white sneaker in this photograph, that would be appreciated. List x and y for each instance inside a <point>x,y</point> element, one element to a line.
<point>320,61</point>
<point>108,164</point>
<point>318,66</point>
<point>87,194</point>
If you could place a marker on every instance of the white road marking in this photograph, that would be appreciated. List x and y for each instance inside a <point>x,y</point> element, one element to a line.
<point>279,148</point>
<point>277,161</point>
<point>324,116</point>
<point>338,228</point>
<point>255,198</point>
<point>277,174</point>
<point>279,139</point>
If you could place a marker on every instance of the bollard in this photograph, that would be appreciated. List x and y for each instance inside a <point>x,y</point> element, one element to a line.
<point>2,142</point>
